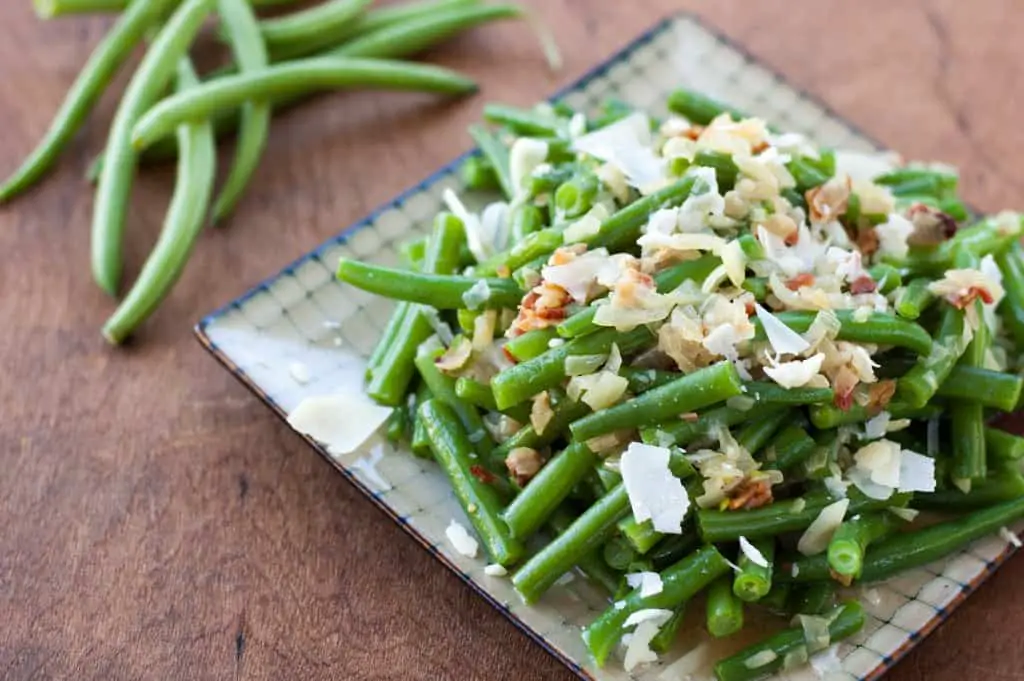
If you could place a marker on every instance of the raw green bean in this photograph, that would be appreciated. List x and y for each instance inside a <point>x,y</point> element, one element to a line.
<point>724,610</point>
<point>454,452</point>
<point>524,123</point>
<point>523,381</point>
<point>752,582</point>
<point>667,634</point>
<point>585,535</point>
<point>1011,264</point>
<point>694,391</point>
<point>914,298</point>
<point>146,86</point>
<point>1003,447</point>
<point>445,292</point>
<point>331,17</point>
<point>497,153</point>
<point>680,582</point>
<point>406,38</point>
<point>780,516</point>
<point>620,230</point>
<point>591,565</point>
<point>290,79</point>
<point>846,549</point>
<point>250,53</point>
<point>880,328</point>
<point>789,448</point>
<point>756,434</point>
<point>92,81</point>
<point>1001,486</point>
<point>548,489</point>
<point>698,108</point>
<point>193,187</point>
<point>767,657</point>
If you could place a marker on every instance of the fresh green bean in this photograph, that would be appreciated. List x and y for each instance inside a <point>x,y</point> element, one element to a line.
<point>92,81</point>
<point>290,79</point>
<point>684,432</point>
<point>526,219</point>
<point>880,328</point>
<point>618,553</point>
<point>789,448</point>
<point>767,657</point>
<point>478,174</point>
<point>846,549</point>
<point>444,292</point>
<point>919,384</point>
<point>576,196</point>
<point>454,452</point>
<point>724,609</point>
<point>756,434</point>
<point>539,244</point>
<point>523,381</point>
<point>815,598</point>
<point>752,582</point>
<point>184,220</point>
<point>914,298</point>
<point>530,344</point>
<point>1000,487</point>
<point>806,174</point>
<point>780,516</point>
<point>589,531</point>
<point>250,53</point>
<point>694,391</point>
<point>679,581</point>
<point>387,338</point>
<point>825,416</point>
<point>332,17</point>
<point>726,170</point>
<point>592,565</point>
<point>146,86</point>
<point>548,489</point>
<point>442,387</point>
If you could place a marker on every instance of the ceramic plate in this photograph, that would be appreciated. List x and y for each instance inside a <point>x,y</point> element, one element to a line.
<point>303,318</point>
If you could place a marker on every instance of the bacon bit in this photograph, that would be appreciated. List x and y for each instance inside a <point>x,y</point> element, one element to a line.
<point>523,463</point>
<point>690,416</point>
<point>863,284</point>
<point>627,285</point>
<point>504,272</point>
<point>759,147</point>
<point>972,294</point>
<point>792,238</point>
<point>931,225</point>
<point>843,400</point>
<point>482,474</point>
<point>845,580</point>
<point>799,281</point>
<point>879,395</point>
<point>750,494</point>
<point>828,201</point>
<point>750,308</point>
<point>867,240</point>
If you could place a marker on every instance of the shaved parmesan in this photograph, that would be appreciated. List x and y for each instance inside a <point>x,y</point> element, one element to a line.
<point>638,650</point>
<point>654,493</point>
<point>864,165</point>
<point>649,583</point>
<point>735,262</point>
<point>658,615</point>
<point>477,295</point>
<point>495,570</point>
<point>784,340</point>
<point>917,472</point>
<point>461,540</point>
<point>597,391</point>
<point>470,222</point>
<point>752,553</point>
<point>340,422</point>
<point>760,659</point>
<point>816,537</point>
<point>797,373</point>
<point>523,158</point>
<point>881,460</point>
<point>626,144</point>
<point>1010,537</point>
<point>877,426</point>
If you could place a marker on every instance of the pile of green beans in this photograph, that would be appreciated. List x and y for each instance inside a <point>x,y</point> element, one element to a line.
<point>575,505</point>
<point>274,62</point>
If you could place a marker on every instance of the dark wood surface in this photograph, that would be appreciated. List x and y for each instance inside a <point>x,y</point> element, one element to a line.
<point>156,521</point>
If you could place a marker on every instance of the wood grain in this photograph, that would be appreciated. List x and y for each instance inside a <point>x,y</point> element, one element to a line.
<point>158,522</point>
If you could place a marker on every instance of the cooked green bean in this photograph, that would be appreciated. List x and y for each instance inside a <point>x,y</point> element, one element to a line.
<point>767,657</point>
<point>699,108</point>
<point>478,174</point>
<point>815,598</point>
<point>250,53</point>
<point>622,228</point>
<point>684,432</point>
<point>592,565</point>
<point>539,244</point>
<point>669,631</point>
<point>1004,485</point>
<point>724,610</point>
<point>523,122</point>
<point>454,452</point>
<point>789,448</point>
<point>548,489</point>
<point>880,328</point>
<point>726,170</point>
<point>289,79</point>
<point>846,549</point>
<point>576,196</point>
<point>618,553</point>
<point>565,411</point>
<point>989,388</point>
<point>752,581</point>
<point>184,221</point>
<point>526,219</point>
<point>825,416</point>
<point>679,581</point>
<point>147,84</point>
<point>756,434</point>
<point>1003,447</point>
<point>1011,264</point>
<point>497,153</point>
<point>442,388</point>
<point>914,298</point>
<point>444,292</point>
<point>104,62</point>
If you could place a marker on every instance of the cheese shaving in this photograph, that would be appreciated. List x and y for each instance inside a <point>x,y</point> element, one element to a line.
<point>340,422</point>
<point>461,540</point>
<point>819,533</point>
<point>654,493</point>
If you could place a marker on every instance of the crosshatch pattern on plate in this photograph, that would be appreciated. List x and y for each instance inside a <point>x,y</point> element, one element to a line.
<point>302,333</point>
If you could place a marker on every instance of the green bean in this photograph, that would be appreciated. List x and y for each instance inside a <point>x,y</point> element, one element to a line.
<point>726,170</point>
<point>530,344</point>
<point>698,108</point>
<point>947,181</point>
<point>409,37</point>
<point>523,381</point>
<point>610,111</point>
<point>420,442</point>
<point>789,448</point>
<point>497,153</point>
<point>524,123</point>
<point>694,391</point>
<point>752,582</point>
<point>576,196</point>
<point>184,221</point>
<point>90,84</point>
<point>442,388</point>
<point>880,328</point>
<point>846,549</point>
<point>669,631</point>
<point>290,79</point>
<point>548,489</point>
<point>565,411</point>
<point>250,54</point>
<point>1011,264</point>
<point>806,174</point>
<point>767,657</point>
<point>780,516</point>
<point>967,416</point>
<point>48,9</point>
<point>536,245</point>
<point>399,424</point>
<point>815,598</point>
<point>478,174</point>
<point>641,535</point>
<point>332,17</point>
<point>387,339</point>
<point>684,432</point>
<point>589,531</point>
<point>1003,447</point>
<point>724,610</point>
<point>454,452</point>
<point>825,416</point>
<point>620,230</point>
<point>592,565</point>
<point>114,186</point>
<point>475,393</point>
<point>679,581</point>
<point>919,384</point>
<point>778,600</point>
<point>914,298</point>
<point>887,277</point>
<point>990,388</point>
<point>1001,486</point>
<point>618,553</point>
<point>991,235</point>
<point>526,219</point>
<point>755,435</point>
<point>444,292</point>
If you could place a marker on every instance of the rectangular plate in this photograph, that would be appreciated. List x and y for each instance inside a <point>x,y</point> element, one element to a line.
<point>303,315</point>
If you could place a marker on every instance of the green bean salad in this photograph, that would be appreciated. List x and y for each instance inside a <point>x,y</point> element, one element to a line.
<point>699,354</point>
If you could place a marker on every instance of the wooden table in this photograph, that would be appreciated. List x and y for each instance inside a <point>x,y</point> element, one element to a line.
<point>159,522</point>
